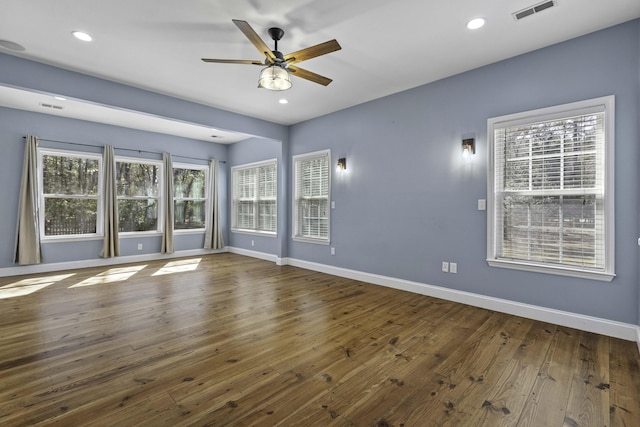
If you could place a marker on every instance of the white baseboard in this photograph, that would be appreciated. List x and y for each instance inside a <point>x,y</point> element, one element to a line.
<point>610,328</point>
<point>255,254</point>
<point>100,262</point>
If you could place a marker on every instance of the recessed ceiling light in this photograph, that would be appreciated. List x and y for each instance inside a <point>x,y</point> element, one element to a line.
<point>283,101</point>
<point>60,98</point>
<point>82,36</point>
<point>475,23</point>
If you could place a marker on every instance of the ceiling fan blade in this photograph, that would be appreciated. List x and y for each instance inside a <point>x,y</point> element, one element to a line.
<point>255,39</point>
<point>308,75</point>
<point>312,52</point>
<point>233,61</point>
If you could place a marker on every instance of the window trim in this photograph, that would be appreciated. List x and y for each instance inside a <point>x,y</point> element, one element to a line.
<point>604,104</point>
<point>193,166</point>
<point>254,165</point>
<point>295,225</point>
<point>99,234</point>
<point>160,197</point>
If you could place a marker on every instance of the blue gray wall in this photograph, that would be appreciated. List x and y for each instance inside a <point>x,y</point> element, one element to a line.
<point>27,74</point>
<point>14,124</point>
<point>256,150</point>
<point>409,201</point>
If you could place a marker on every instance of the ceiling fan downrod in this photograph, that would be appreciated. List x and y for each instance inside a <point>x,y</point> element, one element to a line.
<point>276,34</point>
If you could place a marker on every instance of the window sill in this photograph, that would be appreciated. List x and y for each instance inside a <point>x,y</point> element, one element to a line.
<point>254,232</point>
<point>68,238</point>
<point>561,271</point>
<point>311,240</point>
<point>130,234</point>
<point>189,231</point>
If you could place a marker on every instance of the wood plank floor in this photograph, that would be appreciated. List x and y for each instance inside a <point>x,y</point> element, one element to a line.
<point>226,340</point>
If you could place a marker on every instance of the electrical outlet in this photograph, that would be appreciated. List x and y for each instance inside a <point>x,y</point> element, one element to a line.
<point>453,267</point>
<point>445,267</point>
<point>253,243</point>
<point>333,251</point>
<point>139,246</point>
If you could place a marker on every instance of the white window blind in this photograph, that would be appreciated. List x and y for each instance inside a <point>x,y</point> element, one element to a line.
<point>550,194</point>
<point>254,194</point>
<point>311,202</point>
<point>267,191</point>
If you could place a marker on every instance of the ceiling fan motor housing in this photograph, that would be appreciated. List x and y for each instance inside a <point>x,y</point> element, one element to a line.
<point>279,56</point>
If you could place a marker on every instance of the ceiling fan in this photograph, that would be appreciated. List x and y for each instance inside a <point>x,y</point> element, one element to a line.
<point>275,75</point>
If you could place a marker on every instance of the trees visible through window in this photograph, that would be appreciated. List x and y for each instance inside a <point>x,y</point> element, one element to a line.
<point>189,196</point>
<point>138,189</point>
<point>70,195</point>
<point>254,195</point>
<point>552,183</point>
<point>311,197</point>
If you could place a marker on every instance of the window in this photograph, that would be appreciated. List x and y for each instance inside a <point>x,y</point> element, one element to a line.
<point>70,194</point>
<point>311,197</point>
<point>551,190</point>
<point>138,189</point>
<point>254,194</point>
<point>189,196</point>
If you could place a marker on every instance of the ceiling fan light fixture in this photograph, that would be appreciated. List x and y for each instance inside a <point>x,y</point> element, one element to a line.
<point>274,77</point>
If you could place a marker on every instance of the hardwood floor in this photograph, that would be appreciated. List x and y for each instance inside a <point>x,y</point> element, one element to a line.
<point>227,340</point>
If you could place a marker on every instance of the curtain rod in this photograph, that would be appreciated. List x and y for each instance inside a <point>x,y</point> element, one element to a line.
<point>123,149</point>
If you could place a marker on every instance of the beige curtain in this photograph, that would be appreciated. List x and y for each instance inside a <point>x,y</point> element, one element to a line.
<point>111,244</point>
<point>213,234</point>
<point>167,233</point>
<point>28,230</point>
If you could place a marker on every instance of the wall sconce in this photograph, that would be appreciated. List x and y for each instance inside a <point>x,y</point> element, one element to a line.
<point>342,163</point>
<point>468,147</point>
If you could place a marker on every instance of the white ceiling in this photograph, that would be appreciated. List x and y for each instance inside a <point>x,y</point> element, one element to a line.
<point>387,46</point>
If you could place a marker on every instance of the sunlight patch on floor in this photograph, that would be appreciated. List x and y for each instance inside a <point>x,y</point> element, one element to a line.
<point>118,274</point>
<point>179,266</point>
<point>28,286</point>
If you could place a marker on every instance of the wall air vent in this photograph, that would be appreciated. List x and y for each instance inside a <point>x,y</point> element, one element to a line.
<point>533,9</point>
<point>55,107</point>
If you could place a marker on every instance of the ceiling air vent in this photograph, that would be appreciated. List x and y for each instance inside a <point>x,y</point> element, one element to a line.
<point>533,9</point>
<point>55,107</point>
